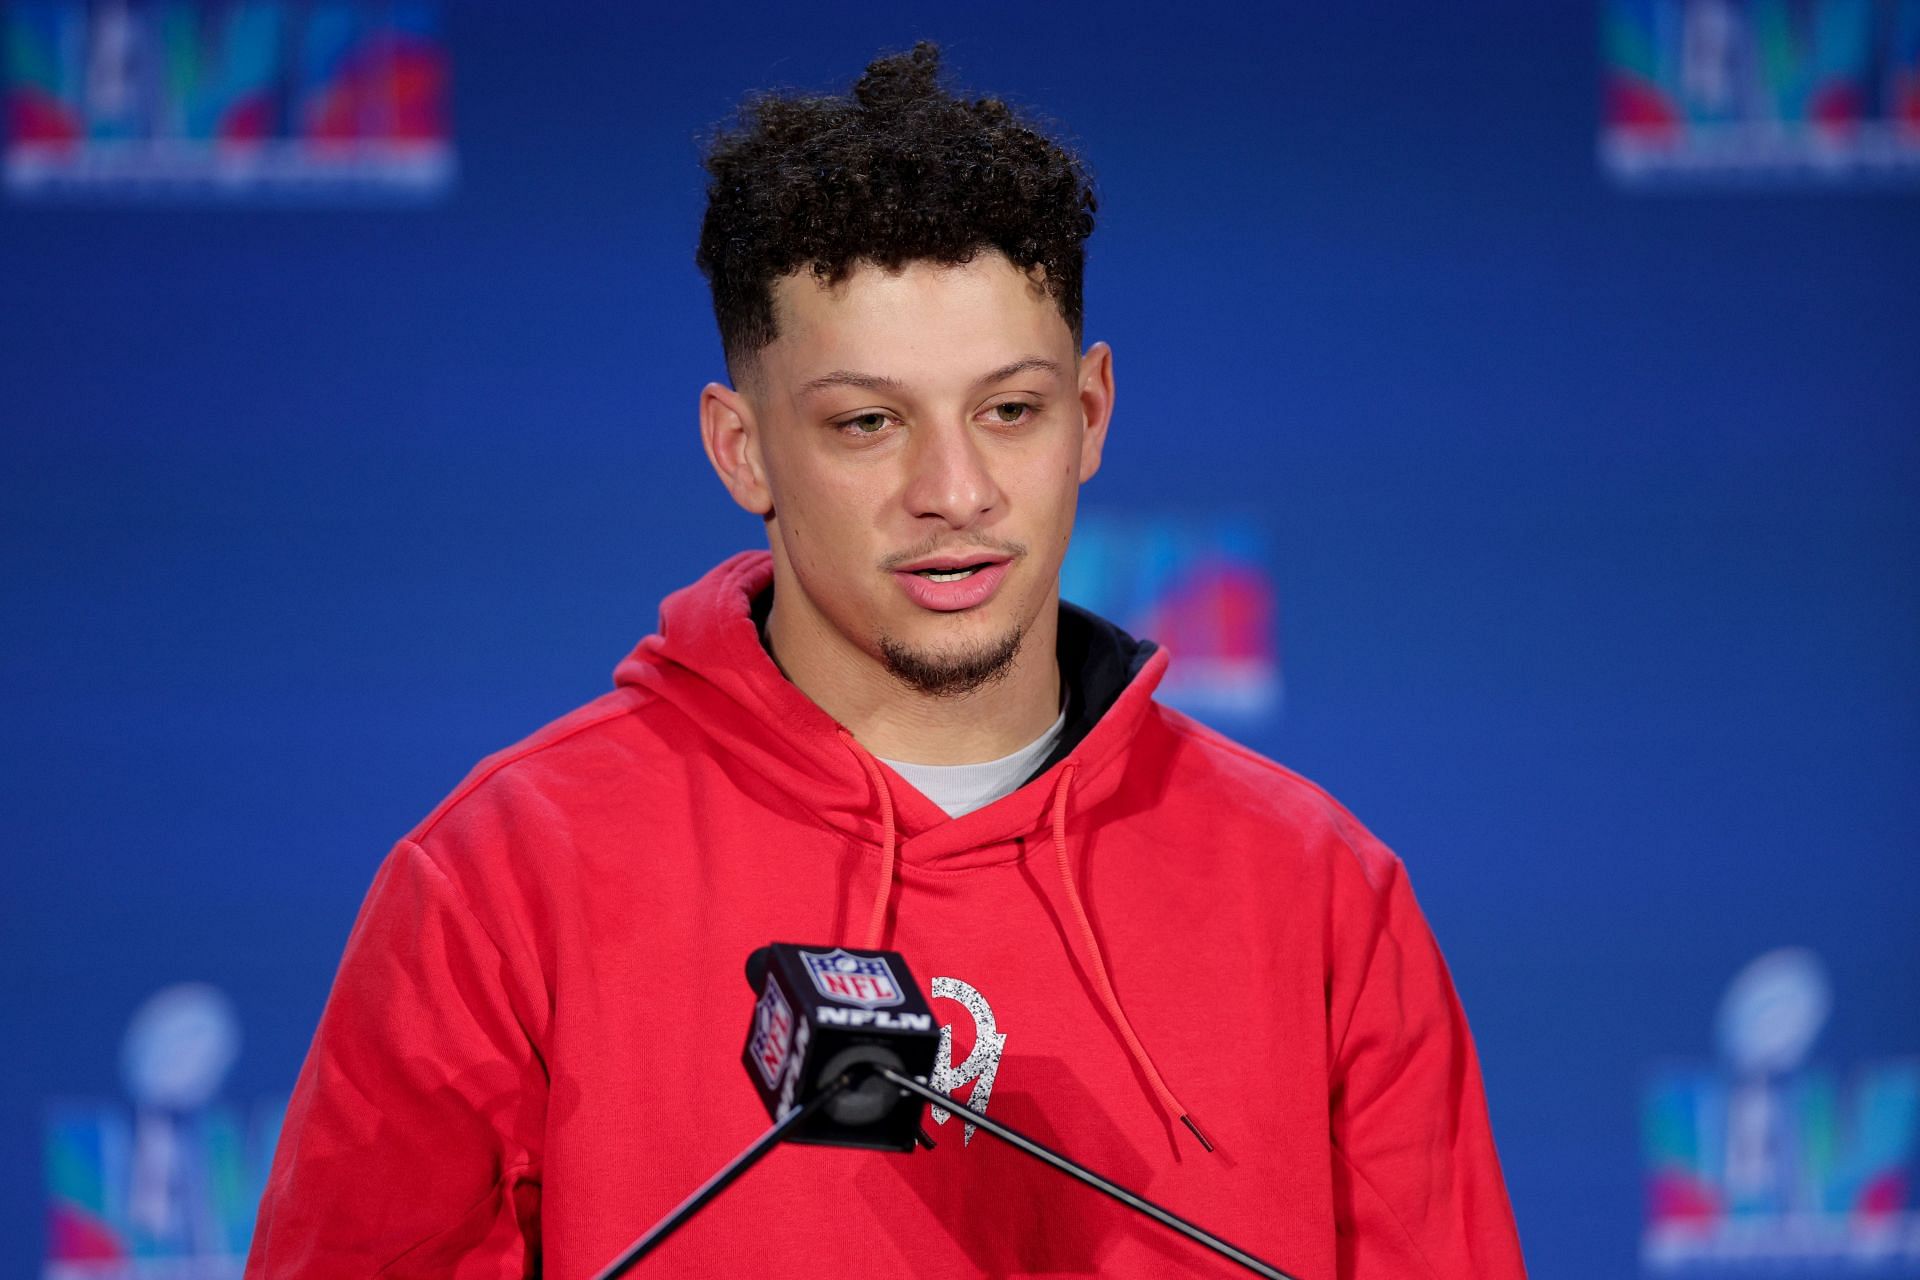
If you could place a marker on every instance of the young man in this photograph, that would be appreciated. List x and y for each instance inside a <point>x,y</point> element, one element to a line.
<point>1157,951</point>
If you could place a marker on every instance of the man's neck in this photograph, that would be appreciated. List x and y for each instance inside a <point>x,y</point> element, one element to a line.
<point>897,722</point>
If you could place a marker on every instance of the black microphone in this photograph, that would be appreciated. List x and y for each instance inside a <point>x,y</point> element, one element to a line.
<point>828,1013</point>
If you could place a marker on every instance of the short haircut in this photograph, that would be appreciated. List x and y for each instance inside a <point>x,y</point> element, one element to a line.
<point>898,171</point>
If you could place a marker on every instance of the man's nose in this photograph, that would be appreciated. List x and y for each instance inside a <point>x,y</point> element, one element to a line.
<point>951,477</point>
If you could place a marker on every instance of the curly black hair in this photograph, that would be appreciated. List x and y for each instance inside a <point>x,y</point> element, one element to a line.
<point>900,171</point>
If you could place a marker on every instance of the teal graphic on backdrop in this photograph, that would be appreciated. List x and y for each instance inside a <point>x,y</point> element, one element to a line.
<point>249,99</point>
<point>1765,1161</point>
<point>1200,586</point>
<point>166,1187</point>
<point>1741,90</point>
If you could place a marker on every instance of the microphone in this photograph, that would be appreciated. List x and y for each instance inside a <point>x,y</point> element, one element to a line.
<point>825,1014</point>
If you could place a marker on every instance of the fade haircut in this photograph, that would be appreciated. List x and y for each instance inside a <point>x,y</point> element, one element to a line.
<point>898,171</point>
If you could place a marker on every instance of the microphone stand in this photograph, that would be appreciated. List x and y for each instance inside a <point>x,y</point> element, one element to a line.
<point>720,1181</point>
<point>771,1138</point>
<point>1048,1156</point>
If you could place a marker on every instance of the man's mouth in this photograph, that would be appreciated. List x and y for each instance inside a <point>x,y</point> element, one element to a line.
<point>951,575</point>
<point>955,581</point>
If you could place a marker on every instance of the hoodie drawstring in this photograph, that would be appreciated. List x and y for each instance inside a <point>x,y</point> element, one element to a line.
<point>889,841</point>
<point>1098,965</point>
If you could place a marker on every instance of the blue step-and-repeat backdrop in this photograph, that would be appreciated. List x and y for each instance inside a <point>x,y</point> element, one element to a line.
<point>1518,433</point>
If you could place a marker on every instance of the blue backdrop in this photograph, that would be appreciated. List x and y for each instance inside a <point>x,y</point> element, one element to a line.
<point>1591,513</point>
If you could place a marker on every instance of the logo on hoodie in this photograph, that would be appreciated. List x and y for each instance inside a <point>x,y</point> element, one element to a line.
<point>982,1062</point>
<point>850,979</point>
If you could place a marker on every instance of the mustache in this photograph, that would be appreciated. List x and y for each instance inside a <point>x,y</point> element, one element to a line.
<point>939,546</point>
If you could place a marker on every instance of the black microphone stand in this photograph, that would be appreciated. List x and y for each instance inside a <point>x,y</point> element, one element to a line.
<point>720,1181</point>
<point>1048,1156</point>
<point>771,1138</point>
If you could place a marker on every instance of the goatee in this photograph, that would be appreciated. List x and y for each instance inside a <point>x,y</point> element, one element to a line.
<point>951,673</point>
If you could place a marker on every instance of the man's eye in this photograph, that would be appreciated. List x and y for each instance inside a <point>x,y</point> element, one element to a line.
<point>1012,412</point>
<point>866,424</point>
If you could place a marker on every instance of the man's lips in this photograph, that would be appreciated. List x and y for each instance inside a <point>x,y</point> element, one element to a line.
<point>951,561</point>
<point>949,583</point>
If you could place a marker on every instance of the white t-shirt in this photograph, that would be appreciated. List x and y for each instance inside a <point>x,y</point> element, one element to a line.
<point>962,788</point>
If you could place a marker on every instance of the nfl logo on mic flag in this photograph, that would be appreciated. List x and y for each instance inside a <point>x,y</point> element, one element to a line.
<point>862,980</point>
<point>772,1034</point>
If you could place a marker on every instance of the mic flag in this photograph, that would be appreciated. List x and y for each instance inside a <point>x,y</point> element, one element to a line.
<point>823,1010</point>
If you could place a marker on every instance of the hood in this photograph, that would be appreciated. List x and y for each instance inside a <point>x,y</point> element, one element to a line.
<point>707,661</point>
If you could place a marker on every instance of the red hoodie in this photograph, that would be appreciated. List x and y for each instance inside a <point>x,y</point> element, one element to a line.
<point>532,1048</point>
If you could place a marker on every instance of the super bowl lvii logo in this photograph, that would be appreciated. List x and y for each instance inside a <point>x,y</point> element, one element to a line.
<point>161,1185</point>
<point>225,99</point>
<point>1717,91</point>
<point>1766,1164</point>
<point>1203,587</point>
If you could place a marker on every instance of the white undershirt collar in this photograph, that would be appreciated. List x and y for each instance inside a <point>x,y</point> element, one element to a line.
<point>961,788</point>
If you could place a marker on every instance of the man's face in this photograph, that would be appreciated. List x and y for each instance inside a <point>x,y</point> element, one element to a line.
<point>922,436</point>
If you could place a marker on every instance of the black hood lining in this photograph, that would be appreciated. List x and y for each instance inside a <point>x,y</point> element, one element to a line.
<point>1097,662</point>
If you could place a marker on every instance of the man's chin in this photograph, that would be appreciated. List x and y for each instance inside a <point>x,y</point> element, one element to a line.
<point>951,669</point>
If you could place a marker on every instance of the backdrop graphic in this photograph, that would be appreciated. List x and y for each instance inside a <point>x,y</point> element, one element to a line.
<point>1762,90</point>
<point>167,1182</point>
<point>1588,506</point>
<point>1204,588</point>
<point>248,100</point>
<point>1764,1160</point>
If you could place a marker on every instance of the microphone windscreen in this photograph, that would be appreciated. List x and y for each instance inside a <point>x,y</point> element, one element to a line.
<point>757,961</point>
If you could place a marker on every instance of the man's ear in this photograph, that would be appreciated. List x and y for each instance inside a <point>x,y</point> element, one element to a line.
<point>1096,406</point>
<point>732,440</point>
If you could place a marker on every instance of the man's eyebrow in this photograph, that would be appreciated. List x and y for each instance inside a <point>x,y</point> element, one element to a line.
<point>851,378</point>
<point>880,382</point>
<point>1030,364</point>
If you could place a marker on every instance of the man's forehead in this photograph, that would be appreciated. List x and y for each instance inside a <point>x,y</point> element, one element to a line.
<point>925,324</point>
<point>929,289</point>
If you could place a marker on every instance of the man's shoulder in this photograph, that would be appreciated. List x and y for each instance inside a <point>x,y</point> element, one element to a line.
<point>612,738</point>
<point>1211,774</point>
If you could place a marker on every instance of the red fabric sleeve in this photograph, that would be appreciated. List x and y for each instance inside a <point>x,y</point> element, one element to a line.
<point>411,1146</point>
<point>1416,1182</point>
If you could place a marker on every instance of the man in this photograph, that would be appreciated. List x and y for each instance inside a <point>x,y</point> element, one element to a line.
<point>1159,952</point>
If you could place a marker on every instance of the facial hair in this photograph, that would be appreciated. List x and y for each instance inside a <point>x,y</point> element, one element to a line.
<point>952,673</point>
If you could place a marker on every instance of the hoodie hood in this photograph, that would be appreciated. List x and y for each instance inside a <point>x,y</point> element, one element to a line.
<point>707,661</point>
